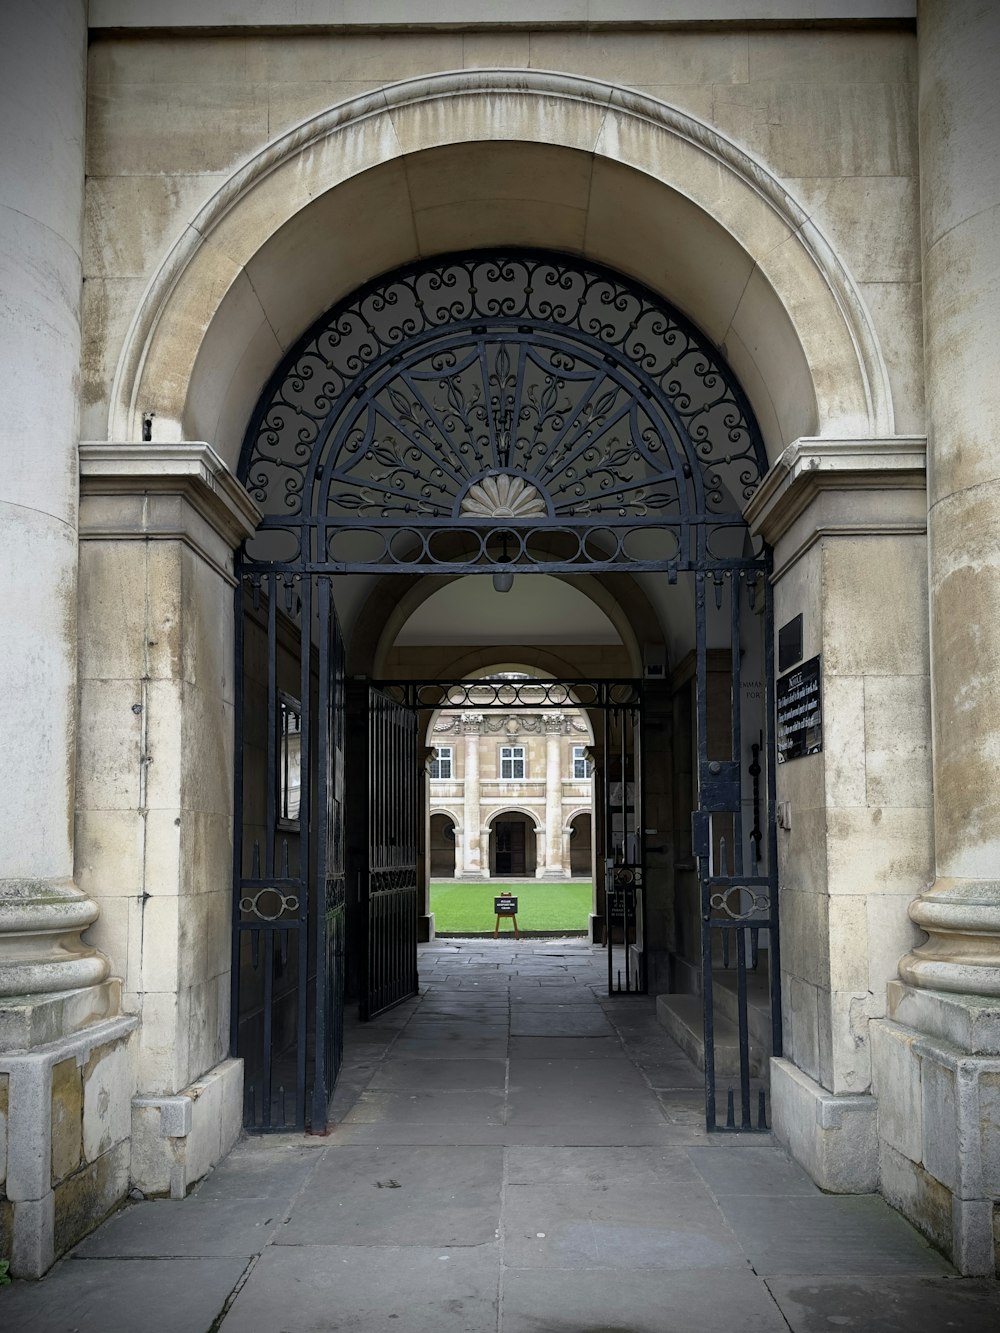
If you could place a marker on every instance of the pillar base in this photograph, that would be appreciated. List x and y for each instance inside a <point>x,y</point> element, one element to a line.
<point>832,1137</point>
<point>27,1021</point>
<point>64,1140</point>
<point>425,928</point>
<point>176,1140</point>
<point>962,951</point>
<point>40,946</point>
<point>936,1069</point>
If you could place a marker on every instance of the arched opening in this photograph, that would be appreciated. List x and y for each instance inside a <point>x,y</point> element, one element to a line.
<point>466,429</point>
<point>581,844</point>
<point>441,846</point>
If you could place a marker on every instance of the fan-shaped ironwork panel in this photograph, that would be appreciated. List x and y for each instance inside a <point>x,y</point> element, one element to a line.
<point>527,409</point>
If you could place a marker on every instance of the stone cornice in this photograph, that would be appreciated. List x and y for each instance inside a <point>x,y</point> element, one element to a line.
<point>193,472</point>
<point>809,466</point>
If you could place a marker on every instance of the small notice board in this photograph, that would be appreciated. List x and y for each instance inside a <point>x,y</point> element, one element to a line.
<point>505,904</point>
<point>800,712</point>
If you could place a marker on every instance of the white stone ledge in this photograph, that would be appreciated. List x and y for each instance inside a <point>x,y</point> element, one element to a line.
<point>365,15</point>
<point>968,1022</point>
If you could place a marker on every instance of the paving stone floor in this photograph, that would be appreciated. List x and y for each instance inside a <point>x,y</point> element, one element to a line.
<point>514,1152</point>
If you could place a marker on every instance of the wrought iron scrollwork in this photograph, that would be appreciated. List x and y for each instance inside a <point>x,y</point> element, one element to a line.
<point>501,393</point>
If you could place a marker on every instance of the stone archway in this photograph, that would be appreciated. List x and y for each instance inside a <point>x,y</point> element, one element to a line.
<point>746,262</point>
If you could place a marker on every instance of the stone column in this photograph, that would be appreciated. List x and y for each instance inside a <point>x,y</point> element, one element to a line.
<point>959,124</point>
<point>540,837</point>
<point>472,726</point>
<point>66,1053</point>
<point>42,89</point>
<point>553,724</point>
<point>425,917</point>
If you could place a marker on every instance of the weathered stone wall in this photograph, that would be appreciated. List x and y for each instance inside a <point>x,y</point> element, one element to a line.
<point>65,1126</point>
<point>831,113</point>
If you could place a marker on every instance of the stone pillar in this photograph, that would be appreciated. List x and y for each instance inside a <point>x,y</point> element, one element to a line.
<point>959,123</point>
<point>158,527</point>
<point>540,839</point>
<point>425,917</point>
<point>936,1054</point>
<point>854,846</point>
<point>42,89</point>
<point>553,724</point>
<point>484,852</point>
<point>66,1053</point>
<point>472,861</point>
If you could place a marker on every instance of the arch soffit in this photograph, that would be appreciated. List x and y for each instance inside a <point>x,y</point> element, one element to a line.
<point>618,596</point>
<point>800,276</point>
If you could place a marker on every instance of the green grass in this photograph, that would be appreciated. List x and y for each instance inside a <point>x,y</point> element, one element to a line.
<point>459,907</point>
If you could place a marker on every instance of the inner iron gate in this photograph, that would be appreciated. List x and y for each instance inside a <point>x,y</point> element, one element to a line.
<point>621,901</point>
<point>503,413</point>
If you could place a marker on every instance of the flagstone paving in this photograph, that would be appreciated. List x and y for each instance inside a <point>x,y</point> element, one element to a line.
<point>514,1152</point>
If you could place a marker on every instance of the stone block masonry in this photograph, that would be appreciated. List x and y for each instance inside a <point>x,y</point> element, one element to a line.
<point>65,1121</point>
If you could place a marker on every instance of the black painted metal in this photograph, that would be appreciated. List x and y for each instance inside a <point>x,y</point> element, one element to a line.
<point>525,402</point>
<point>507,691</point>
<point>387,879</point>
<point>470,414</point>
<point>624,874</point>
<point>738,884</point>
<point>288,885</point>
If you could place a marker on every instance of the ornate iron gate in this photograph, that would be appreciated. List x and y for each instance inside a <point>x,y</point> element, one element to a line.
<point>734,841</point>
<point>289,887</point>
<point>515,413</point>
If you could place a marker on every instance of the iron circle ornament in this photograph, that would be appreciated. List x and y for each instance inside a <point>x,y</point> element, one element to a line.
<point>496,407</point>
<point>269,903</point>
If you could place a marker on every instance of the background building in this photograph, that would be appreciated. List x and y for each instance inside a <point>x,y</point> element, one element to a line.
<point>510,794</point>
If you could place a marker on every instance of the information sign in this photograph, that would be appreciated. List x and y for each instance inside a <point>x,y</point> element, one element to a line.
<point>800,712</point>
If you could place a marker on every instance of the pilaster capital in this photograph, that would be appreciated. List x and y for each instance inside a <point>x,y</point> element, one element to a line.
<point>811,466</point>
<point>117,482</point>
<point>554,723</point>
<point>472,723</point>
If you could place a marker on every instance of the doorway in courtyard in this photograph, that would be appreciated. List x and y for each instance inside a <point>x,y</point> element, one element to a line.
<point>484,420</point>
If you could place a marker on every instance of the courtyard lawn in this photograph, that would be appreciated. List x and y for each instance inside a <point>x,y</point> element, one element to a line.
<point>461,908</point>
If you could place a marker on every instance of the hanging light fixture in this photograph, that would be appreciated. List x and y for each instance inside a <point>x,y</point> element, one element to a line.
<point>503,579</point>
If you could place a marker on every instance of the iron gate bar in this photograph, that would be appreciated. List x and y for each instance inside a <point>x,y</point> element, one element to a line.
<point>565,692</point>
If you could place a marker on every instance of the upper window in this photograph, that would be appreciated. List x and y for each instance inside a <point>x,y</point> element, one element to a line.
<point>441,764</point>
<point>511,762</point>
<point>581,764</point>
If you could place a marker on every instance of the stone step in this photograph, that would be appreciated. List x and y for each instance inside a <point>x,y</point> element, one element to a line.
<point>682,1017</point>
<point>758,1004</point>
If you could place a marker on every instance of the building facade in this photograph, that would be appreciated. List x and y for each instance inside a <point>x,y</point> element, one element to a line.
<point>805,198</point>
<point>510,794</point>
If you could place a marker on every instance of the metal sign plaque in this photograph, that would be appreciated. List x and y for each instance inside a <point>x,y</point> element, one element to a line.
<point>505,905</point>
<point>800,712</point>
